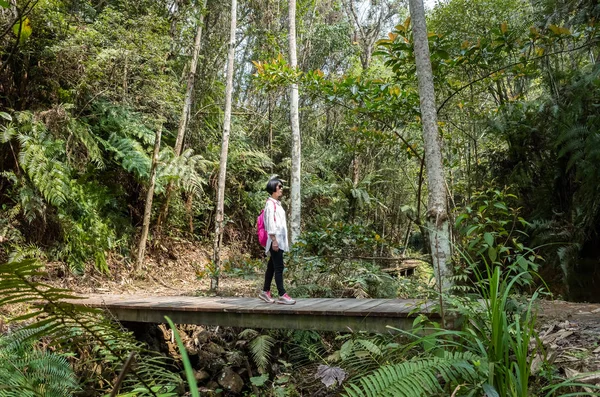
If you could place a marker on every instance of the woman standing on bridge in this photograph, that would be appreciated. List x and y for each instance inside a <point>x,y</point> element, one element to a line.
<point>277,243</point>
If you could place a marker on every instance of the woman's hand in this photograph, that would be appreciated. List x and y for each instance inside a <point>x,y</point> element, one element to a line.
<point>275,246</point>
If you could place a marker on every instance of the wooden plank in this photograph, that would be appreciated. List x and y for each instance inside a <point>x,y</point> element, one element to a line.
<point>261,320</point>
<point>362,306</point>
<point>322,306</point>
<point>337,314</point>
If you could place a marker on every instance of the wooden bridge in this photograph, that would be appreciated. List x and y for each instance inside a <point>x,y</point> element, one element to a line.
<point>372,315</point>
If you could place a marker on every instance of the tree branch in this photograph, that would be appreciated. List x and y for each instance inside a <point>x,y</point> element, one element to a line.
<point>590,43</point>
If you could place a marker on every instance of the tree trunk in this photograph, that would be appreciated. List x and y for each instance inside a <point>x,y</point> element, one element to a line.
<point>214,282</point>
<point>295,121</point>
<point>149,197</point>
<point>437,214</point>
<point>185,114</point>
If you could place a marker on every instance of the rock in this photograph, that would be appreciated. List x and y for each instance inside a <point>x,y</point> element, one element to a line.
<point>235,359</point>
<point>201,337</point>
<point>201,375</point>
<point>216,365</point>
<point>214,348</point>
<point>231,381</point>
<point>212,385</point>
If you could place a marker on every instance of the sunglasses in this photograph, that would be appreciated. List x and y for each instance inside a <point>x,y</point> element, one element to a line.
<point>280,187</point>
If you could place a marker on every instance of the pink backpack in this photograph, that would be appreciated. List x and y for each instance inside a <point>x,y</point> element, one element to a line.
<point>260,227</point>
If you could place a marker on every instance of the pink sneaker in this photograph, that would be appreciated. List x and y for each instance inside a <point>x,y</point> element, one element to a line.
<point>285,300</point>
<point>266,296</point>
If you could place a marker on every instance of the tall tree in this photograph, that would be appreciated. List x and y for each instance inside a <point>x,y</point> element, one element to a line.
<point>214,282</point>
<point>187,106</point>
<point>295,175</point>
<point>437,212</point>
<point>369,23</point>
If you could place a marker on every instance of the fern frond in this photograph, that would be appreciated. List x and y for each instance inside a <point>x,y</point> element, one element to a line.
<point>32,372</point>
<point>83,133</point>
<point>417,377</point>
<point>42,158</point>
<point>261,350</point>
<point>67,325</point>
<point>130,154</point>
<point>184,170</point>
<point>248,333</point>
<point>7,133</point>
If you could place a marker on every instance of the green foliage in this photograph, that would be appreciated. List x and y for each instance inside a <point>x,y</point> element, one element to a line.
<point>68,328</point>
<point>86,211</point>
<point>43,159</point>
<point>337,260</point>
<point>189,371</point>
<point>27,370</point>
<point>492,233</point>
<point>260,347</point>
<point>491,352</point>
<point>340,238</point>
<point>417,377</point>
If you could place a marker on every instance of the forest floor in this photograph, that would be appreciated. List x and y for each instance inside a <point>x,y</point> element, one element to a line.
<point>570,332</point>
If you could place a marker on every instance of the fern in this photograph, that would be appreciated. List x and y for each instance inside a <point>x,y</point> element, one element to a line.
<point>129,153</point>
<point>42,158</point>
<point>261,347</point>
<point>85,136</point>
<point>184,170</point>
<point>68,327</point>
<point>27,371</point>
<point>417,377</point>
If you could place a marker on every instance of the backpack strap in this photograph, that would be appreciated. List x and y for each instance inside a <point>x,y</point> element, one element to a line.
<point>274,209</point>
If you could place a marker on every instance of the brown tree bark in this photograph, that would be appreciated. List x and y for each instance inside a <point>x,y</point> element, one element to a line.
<point>149,197</point>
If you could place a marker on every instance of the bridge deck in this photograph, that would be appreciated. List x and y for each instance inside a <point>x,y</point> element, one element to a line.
<point>373,315</point>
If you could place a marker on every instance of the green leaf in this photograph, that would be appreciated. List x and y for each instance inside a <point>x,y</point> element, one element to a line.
<point>502,206</point>
<point>25,27</point>
<point>259,381</point>
<point>489,239</point>
<point>4,4</point>
<point>5,115</point>
<point>189,371</point>
<point>472,229</point>
<point>492,254</point>
<point>460,219</point>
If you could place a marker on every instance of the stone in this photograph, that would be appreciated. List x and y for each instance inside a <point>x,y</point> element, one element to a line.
<point>231,381</point>
<point>235,359</point>
<point>201,375</point>
<point>214,348</point>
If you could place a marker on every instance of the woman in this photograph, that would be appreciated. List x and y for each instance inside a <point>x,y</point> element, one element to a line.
<point>277,243</point>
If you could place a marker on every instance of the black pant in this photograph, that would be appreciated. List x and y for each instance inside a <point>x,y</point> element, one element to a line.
<point>275,267</point>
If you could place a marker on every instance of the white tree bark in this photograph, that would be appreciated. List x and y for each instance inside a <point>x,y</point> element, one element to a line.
<point>295,174</point>
<point>187,106</point>
<point>437,214</point>
<point>214,282</point>
<point>149,198</point>
<point>187,103</point>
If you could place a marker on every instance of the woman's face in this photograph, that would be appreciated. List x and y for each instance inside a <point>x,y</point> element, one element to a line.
<point>278,192</point>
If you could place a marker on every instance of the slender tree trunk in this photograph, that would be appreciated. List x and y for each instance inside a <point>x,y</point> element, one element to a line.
<point>185,113</point>
<point>295,121</point>
<point>437,214</point>
<point>214,282</point>
<point>149,197</point>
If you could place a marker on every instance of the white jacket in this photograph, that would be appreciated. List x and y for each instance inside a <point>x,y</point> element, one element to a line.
<point>275,223</point>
